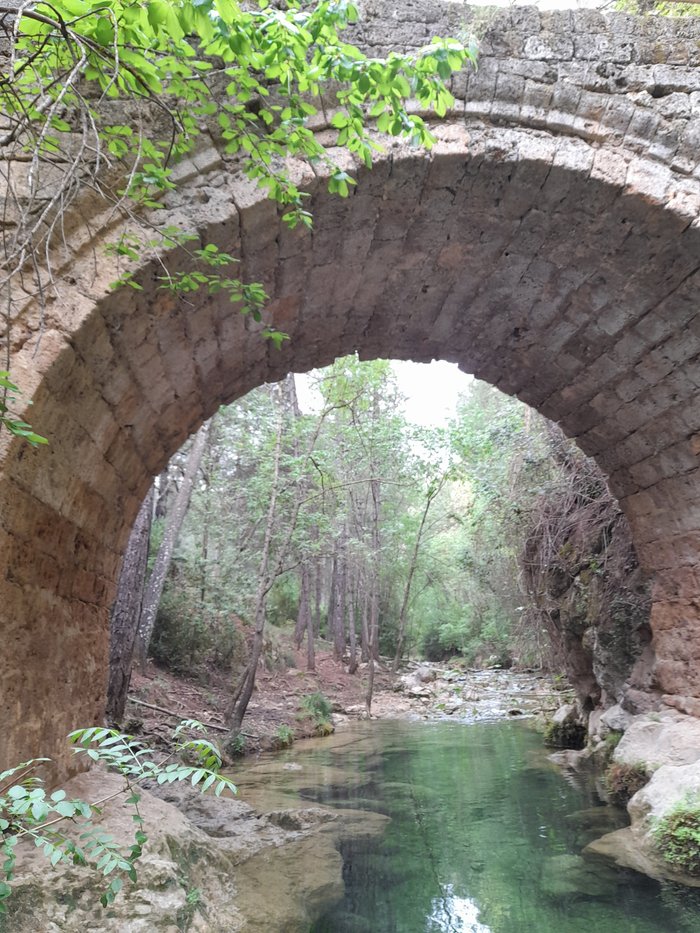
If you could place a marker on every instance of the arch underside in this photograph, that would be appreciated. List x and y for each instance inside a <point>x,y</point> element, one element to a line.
<point>554,269</point>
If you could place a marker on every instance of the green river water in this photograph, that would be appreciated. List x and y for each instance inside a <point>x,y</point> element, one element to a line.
<point>485,836</point>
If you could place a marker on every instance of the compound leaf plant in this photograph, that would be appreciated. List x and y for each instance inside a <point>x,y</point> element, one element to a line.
<point>64,829</point>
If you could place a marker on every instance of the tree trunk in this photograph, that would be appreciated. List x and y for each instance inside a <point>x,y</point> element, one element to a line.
<point>318,596</point>
<point>267,574</point>
<point>310,644</point>
<point>433,490</point>
<point>351,603</point>
<point>126,611</point>
<point>364,629</point>
<point>374,599</point>
<point>331,613</point>
<point>204,558</point>
<point>156,581</point>
<point>339,603</point>
<point>304,613</point>
<point>246,685</point>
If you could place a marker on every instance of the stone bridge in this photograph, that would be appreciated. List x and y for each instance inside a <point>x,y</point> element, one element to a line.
<point>549,244</point>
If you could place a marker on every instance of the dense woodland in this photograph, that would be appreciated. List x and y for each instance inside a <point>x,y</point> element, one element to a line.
<point>493,540</point>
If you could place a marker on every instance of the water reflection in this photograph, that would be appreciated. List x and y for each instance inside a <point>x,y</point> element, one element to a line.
<point>483,835</point>
<point>452,914</point>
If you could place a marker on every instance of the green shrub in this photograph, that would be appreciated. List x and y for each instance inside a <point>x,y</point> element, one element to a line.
<point>432,648</point>
<point>235,747</point>
<point>612,739</point>
<point>178,642</point>
<point>284,737</point>
<point>677,839</point>
<point>567,734</point>
<point>318,708</point>
<point>186,643</point>
<point>623,781</point>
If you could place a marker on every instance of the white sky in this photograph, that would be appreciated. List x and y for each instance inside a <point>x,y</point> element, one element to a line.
<point>431,391</point>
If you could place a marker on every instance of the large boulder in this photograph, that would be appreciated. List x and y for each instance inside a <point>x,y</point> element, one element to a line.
<point>670,787</point>
<point>634,846</point>
<point>657,739</point>
<point>667,744</point>
<point>209,865</point>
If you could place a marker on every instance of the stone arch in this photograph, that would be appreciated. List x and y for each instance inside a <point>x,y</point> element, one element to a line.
<point>563,268</point>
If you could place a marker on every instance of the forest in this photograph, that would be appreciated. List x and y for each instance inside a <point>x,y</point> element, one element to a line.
<point>488,540</point>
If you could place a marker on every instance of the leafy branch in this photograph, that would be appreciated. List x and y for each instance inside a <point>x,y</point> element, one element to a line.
<point>28,811</point>
<point>254,76</point>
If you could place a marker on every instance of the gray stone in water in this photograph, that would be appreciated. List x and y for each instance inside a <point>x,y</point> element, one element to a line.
<point>298,820</point>
<point>597,819</point>
<point>628,848</point>
<point>564,875</point>
<point>569,758</point>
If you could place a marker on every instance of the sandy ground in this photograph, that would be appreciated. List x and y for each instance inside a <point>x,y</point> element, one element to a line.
<point>275,702</point>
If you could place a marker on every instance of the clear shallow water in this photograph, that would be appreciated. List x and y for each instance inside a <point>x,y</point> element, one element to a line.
<point>485,836</point>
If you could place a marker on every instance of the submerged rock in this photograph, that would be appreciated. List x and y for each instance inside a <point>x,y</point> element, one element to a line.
<point>298,820</point>
<point>628,849</point>
<point>564,875</point>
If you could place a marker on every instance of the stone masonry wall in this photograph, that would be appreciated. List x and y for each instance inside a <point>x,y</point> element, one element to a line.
<point>549,244</point>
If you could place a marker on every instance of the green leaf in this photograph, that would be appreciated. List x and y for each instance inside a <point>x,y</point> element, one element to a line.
<point>65,808</point>
<point>104,31</point>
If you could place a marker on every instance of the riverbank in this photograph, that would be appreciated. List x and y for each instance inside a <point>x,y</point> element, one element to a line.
<point>210,865</point>
<point>159,699</point>
<point>272,859</point>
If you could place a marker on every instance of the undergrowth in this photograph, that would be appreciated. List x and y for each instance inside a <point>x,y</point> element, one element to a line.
<point>677,839</point>
<point>622,782</point>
